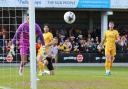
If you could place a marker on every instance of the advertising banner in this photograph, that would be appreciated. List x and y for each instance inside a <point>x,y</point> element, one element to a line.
<point>119,4</point>
<point>58,3</point>
<point>20,3</point>
<point>74,58</point>
<point>116,4</point>
<point>93,4</point>
<point>89,58</point>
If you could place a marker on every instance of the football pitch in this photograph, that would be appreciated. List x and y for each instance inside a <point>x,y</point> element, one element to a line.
<point>67,78</point>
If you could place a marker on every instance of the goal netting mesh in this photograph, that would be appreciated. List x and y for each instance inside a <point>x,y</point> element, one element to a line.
<point>10,19</point>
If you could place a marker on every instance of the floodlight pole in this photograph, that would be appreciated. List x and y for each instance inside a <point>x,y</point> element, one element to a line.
<point>32,44</point>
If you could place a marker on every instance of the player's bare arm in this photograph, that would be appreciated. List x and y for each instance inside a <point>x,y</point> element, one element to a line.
<point>102,41</point>
<point>49,44</point>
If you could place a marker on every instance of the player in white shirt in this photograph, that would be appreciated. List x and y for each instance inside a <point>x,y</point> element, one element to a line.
<point>51,55</point>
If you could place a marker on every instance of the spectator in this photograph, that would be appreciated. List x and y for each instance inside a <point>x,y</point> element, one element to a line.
<point>97,40</point>
<point>3,38</point>
<point>123,43</point>
<point>81,46</point>
<point>68,44</point>
<point>72,40</point>
<point>60,47</point>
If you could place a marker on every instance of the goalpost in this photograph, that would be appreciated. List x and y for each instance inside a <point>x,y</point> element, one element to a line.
<point>32,44</point>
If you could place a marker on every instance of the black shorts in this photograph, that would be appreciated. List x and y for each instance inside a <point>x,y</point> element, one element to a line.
<point>49,65</point>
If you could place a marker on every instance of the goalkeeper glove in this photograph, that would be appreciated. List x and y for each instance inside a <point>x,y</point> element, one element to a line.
<point>11,52</point>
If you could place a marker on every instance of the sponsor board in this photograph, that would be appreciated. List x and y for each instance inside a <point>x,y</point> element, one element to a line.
<point>58,3</point>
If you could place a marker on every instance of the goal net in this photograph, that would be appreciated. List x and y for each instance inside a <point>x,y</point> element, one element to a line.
<point>10,20</point>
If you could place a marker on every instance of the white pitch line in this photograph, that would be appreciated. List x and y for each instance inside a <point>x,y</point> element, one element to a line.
<point>69,64</point>
<point>1,87</point>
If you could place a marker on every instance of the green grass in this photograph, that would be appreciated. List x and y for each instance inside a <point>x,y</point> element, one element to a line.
<point>68,78</point>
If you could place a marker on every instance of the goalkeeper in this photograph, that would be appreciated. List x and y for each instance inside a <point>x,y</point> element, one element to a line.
<point>22,35</point>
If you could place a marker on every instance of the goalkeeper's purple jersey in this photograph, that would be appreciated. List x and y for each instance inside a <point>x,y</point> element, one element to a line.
<point>22,35</point>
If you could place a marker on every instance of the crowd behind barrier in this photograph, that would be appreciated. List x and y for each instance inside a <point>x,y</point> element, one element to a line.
<point>70,41</point>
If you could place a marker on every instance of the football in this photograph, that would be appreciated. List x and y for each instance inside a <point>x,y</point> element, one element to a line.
<point>69,17</point>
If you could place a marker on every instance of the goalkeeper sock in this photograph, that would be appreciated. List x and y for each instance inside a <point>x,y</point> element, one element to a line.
<point>22,64</point>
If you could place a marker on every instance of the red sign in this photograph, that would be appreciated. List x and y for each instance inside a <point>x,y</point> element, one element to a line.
<point>9,58</point>
<point>79,57</point>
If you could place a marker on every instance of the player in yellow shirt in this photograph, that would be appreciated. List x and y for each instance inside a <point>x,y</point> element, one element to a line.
<point>48,37</point>
<point>111,36</point>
